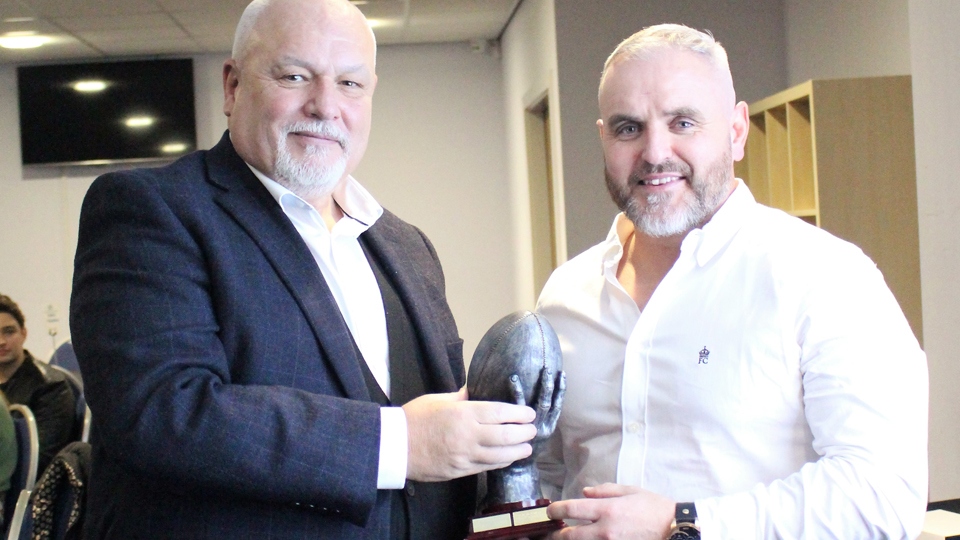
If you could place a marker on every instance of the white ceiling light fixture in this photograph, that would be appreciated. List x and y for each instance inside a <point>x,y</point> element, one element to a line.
<point>23,40</point>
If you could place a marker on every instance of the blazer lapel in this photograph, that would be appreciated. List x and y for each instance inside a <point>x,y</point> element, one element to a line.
<point>255,210</point>
<point>405,271</point>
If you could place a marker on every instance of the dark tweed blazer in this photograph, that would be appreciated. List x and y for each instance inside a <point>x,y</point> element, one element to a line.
<point>227,396</point>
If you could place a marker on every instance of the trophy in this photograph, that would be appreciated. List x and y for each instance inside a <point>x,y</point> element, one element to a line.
<point>518,361</point>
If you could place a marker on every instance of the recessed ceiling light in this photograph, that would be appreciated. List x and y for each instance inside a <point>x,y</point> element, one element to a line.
<point>139,121</point>
<point>23,40</point>
<point>18,19</point>
<point>89,86</point>
<point>359,2</point>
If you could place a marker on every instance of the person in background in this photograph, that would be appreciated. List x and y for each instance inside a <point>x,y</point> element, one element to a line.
<point>268,352</point>
<point>28,381</point>
<point>8,452</point>
<point>732,372</point>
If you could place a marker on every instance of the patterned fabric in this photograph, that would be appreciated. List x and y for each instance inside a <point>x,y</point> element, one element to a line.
<point>57,504</point>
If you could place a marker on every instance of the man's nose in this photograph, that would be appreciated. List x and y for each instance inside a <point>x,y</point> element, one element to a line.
<point>323,103</point>
<point>657,146</point>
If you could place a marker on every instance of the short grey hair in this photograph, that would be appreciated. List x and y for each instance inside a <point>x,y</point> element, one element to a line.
<point>241,38</point>
<point>668,35</point>
<point>249,18</point>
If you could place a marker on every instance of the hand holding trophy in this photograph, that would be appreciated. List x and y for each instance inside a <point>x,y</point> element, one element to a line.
<point>518,361</point>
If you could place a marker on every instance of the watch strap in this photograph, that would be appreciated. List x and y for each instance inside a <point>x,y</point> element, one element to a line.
<point>685,523</point>
<point>686,513</point>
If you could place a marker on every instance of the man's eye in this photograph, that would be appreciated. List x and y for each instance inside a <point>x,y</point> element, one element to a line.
<point>294,78</point>
<point>684,124</point>
<point>628,129</point>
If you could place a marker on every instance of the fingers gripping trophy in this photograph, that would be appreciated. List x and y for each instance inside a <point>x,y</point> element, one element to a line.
<point>518,361</point>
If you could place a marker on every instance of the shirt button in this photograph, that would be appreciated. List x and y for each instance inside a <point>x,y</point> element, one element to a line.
<point>633,427</point>
<point>411,491</point>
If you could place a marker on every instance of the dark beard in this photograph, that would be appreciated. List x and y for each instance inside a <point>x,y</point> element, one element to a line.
<point>658,216</point>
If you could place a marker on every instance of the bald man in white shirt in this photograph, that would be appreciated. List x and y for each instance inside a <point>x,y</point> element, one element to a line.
<point>733,372</point>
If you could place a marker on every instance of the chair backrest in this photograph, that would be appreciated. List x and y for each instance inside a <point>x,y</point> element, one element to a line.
<point>81,413</point>
<point>64,357</point>
<point>28,456</point>
<point>20,526</point>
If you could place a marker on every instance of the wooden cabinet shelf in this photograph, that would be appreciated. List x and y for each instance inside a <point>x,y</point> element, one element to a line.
<point>839,154</point>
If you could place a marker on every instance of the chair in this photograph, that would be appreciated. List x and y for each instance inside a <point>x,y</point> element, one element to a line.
<point>82,416</point>
<point>64,357</point>
<point>20,526</point>
<point>28,456</point>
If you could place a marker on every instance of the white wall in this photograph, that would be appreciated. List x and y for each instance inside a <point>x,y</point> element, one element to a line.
<point>830,39</point>
<point>436,158</point>
<point>935,60</point>
<point>529,48</point>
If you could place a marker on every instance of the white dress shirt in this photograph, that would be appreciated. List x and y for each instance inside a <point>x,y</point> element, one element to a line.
<point>348,274</point>
<point>772,379</point>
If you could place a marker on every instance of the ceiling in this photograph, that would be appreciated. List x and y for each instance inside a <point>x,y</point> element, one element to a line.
<point>82,29</point>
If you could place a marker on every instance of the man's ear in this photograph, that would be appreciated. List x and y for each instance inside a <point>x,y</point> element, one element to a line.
<point>739,127</point>
<point>231,80</point>
<point>600,127</point>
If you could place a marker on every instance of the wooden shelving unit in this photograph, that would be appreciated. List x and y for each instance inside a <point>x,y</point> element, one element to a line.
<point>839,154</point>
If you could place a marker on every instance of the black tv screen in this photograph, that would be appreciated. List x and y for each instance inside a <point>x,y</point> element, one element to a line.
<point>106,112</point>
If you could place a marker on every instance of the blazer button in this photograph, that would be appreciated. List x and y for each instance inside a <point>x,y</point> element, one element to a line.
<point>411,491</point>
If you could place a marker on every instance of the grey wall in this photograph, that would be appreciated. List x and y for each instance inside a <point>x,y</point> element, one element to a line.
<point>437,158</point>
<point>530,73</point>
<point>829,39</point>
<point>751,30</point>
<point>935,59</point>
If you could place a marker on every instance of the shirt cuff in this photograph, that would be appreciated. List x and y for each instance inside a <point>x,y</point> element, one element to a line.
<point>392,473</point>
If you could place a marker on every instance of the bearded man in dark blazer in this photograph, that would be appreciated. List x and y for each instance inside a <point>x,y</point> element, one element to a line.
<point>267,352</point>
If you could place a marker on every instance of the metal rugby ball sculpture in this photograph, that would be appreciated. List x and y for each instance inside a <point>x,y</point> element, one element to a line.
<point>518,361</point>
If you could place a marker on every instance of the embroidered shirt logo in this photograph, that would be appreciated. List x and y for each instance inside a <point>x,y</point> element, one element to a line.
<point>704,356</point>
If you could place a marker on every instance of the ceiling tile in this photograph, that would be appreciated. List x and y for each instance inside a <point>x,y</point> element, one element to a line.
<point>93,8</point>
<point>135,22</point>
<point>132,27</point>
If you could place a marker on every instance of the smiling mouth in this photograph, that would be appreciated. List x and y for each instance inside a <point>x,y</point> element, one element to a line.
<point>660,181</point>
<point>319,137</point>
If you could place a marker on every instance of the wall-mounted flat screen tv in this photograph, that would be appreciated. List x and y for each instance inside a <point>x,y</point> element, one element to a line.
<point>106,112</point>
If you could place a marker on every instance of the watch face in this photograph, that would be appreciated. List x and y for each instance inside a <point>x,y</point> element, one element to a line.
<point>685,532</point>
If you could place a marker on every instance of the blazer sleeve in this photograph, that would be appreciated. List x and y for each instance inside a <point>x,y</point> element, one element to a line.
<point>146,318</point>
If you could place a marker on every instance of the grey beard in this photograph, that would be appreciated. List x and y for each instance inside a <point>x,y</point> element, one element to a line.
<point>299,176</point>
<point>657,220</point>
<point>653,216</point>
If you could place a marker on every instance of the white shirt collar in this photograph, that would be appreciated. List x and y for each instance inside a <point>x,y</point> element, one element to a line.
<point>356,202</point>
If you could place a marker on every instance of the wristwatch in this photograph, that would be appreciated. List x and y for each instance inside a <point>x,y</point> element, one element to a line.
<point>685,523</point>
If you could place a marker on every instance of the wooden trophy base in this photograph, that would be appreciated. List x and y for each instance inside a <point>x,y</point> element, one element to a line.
<point>524,519</point>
